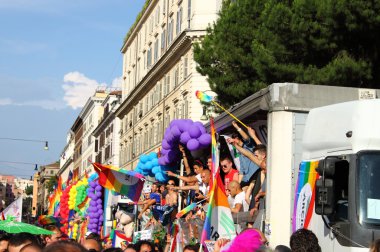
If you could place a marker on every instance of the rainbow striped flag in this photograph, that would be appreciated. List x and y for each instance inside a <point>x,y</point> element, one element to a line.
<point>219,222</point>
<point>186,210</point>
<point>304,194</point>
<point>214,151</point>
<point>128,183</point>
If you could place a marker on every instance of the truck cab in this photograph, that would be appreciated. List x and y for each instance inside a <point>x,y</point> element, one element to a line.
<point>345,139</point>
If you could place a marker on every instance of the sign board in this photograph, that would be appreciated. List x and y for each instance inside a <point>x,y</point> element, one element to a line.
<point>366,94</point>
<point>143,235</point>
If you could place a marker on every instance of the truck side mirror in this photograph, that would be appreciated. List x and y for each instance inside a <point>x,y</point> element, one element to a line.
<point>325,186</point>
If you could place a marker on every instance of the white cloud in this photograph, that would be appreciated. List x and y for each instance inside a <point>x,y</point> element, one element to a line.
<point>5,101</point>
<point>78,88</point>
<point>116,83</point>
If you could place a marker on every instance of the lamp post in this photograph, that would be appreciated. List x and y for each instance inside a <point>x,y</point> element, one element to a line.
<point>46,147</point>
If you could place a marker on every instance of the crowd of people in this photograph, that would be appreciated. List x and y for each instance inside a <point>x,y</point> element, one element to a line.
<point>302,240</point>
<point>243,173</point>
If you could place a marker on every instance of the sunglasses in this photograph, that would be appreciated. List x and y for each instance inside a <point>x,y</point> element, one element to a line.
<point>224,166</point>
<point>171,184</point>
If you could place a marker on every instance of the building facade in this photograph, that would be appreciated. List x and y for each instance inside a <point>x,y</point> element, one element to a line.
<point>45,173</point>
<point>106,133</point>
<point>159,73</point>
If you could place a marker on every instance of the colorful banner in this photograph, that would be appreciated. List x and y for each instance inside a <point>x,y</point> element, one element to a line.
<point>305,194</point>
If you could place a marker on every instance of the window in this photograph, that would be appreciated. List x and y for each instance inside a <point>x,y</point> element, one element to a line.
<point>149,57</point>
<point>170,30</point>
<point>185,67</point>
<point>167,84</point>
<point>156,50</point>
<point>159,91</point>
<point>146,105</point>
<point>188,13</point>
<point>185,109</point>
<point>179,21</point>
<point>163,41</point>
<point>176,77</point>
<point>158,15</point>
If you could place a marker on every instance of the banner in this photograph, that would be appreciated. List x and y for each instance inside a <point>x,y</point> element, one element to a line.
<point>305,194</point>
<point>14,210</point>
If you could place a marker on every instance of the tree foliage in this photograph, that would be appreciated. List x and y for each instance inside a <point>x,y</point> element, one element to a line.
<point>51,184</point>
<point>29,190</point>
<point>255,43</point>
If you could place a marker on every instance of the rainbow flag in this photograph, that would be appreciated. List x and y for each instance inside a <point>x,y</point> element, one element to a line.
<point>186,210</point>
<point>128,183</point>
<point>214,152</point>
<point>219,222</point>
<point>304,194</point>
<point>54,199</point>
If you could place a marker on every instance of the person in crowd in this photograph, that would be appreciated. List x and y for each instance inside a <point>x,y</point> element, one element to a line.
<point>191,248</point>
<point>375,246</point>
<point>107,243</point>
<point>130,248</point>
<point>164,213</point>
<point>154,200</point>
<point>203,190</point>
<point>31,248</point>
<point>198,168</point>
<point>239,203</point>
<point>229,173</point>
<point>4,240</point>
<point>92,244</point>
<point>304,240</point>
<point>65,246</point>
<point>282,248</point>
<point>56,236</point>
<point>94,236</point>
<point>247,167</point>
<point>20,240</point>
<point>144,246</point>
<point>112,250</point>
<point>248,240</point>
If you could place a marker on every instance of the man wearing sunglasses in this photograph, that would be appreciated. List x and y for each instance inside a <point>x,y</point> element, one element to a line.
<point>230,174</point>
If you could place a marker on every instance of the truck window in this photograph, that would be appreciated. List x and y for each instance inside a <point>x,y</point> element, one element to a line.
<point>368,190</point>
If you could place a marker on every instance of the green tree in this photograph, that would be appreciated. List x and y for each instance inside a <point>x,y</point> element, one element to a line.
<point>51,184</point>
<point>29,190</point>
<point>255,43</point>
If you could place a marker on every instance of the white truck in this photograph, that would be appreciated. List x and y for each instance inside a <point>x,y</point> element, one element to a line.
<point>344,138</point>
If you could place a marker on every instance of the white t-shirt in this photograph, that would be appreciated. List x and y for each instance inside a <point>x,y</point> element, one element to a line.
<point>240,199</point>
<point>202,186</point>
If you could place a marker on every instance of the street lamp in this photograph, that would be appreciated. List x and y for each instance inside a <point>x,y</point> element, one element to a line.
<point>27,140</point>
<point>204,116</point>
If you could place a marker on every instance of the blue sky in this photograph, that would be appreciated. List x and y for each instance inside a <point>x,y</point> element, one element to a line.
<point>53,54</point>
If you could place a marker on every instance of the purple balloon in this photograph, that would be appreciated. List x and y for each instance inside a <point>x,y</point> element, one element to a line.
<point>90,189</point>
<point>185,137</point>
<point>194,131</point>
<point>205,139</point>
<point>161,160</point>
<point>92,184</point>
<point>173,156</point>
<point>192,145</point>
<point>98,194</point>
<point>165,144</point>
<point>98,188</point>
<point>99,201</point>
<point>164,151</point>
<point>100,211</point>
<point>99,206</point>
<point>93,203</point>
<point>91,195</point>
<point>169,137</point>
<point>175,131</point>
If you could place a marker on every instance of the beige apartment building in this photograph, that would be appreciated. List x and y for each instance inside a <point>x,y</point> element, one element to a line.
<point>159,72</point>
